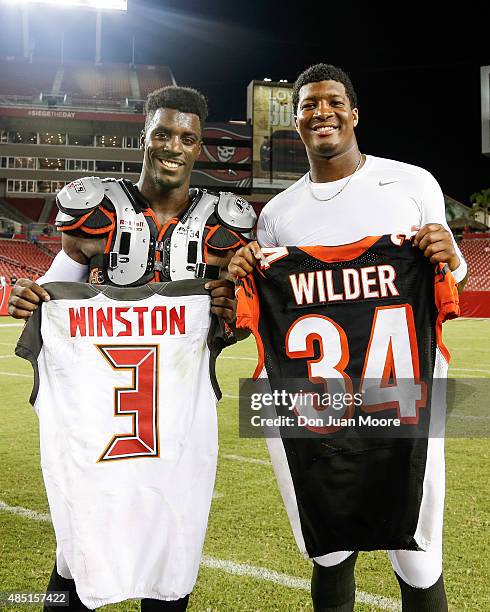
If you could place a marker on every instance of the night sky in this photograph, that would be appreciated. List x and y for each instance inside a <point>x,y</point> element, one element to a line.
<point>417,73</point>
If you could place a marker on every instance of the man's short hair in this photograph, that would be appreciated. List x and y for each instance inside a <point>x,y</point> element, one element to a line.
<point>323,72</point>
<point>183,99</point>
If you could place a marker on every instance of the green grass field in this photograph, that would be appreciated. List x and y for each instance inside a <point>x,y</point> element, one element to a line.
<point>251,562</point>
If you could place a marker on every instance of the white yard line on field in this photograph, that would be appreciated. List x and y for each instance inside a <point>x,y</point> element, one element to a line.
<point>475,319</point>
<point>467,370</point>
<point>247,459</point>
<point>31,514</point>
<point>292,582</point>
<point>472,348</point>
<point>7,356</point>
<point>468,376</point>
<point>239,569</point>
<point>471,417</point>
<point>15,374</point>
<point>239,358</point>
<point>11,325</point>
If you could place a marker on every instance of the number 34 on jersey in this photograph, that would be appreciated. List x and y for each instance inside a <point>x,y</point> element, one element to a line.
<point>363,318</point>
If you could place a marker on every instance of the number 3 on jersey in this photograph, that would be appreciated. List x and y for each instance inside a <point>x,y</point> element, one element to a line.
<point>390,376</point>
<point>140,400</point>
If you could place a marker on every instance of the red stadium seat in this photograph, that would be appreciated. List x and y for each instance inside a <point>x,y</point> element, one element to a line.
<point>152,77</point>
<point>30,207</point>
<point>22,258</point>
<point>22,78</point>
<point>476,251</point>
<point>105,81</point>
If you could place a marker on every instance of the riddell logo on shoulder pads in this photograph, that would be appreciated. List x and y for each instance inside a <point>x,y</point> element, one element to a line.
<point>241,204</point>
<point>78,186</point>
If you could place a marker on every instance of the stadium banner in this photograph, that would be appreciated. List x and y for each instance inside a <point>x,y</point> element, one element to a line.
<point>226,157</point>
<point>279,156</point>
<point>45,113</point>
<point>4,298</point>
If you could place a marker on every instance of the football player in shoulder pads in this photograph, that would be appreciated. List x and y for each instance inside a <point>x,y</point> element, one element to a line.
<point>159,229</point>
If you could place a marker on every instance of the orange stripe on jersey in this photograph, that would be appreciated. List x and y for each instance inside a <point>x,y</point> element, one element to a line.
<point>77,223</point>
<point>248,315</point>
<point>112,229</point>
<point>212,230</point>
<point>108,243</point>
<point>91,230</point>
<point>447,302</point>
<point>96,231</point>
<point>343,252</point>
<point>239,241</point>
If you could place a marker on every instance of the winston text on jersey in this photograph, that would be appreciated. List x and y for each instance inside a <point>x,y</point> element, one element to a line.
<point>127,321</point>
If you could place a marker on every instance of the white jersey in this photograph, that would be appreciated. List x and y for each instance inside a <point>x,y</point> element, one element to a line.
<point>383,197</point>
<point>126,398</point>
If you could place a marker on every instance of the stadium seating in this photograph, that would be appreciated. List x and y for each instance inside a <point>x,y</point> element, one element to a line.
<point>52,246</point>
<point>153,77</point>
<point>81,81</point>
<point>29,207</point>
<point>476,251</point>
<point>22,78</point>
<point>20,258</point>
<point>105,81</point>
<point>475,299</point>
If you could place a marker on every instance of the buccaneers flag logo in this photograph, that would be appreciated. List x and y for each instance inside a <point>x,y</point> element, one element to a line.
<point>226,152</point>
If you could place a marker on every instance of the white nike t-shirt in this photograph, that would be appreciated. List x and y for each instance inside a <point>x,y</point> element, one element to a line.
<point>383,197</point>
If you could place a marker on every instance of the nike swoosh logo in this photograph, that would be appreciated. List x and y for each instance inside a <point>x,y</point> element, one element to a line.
<point>382,184</point>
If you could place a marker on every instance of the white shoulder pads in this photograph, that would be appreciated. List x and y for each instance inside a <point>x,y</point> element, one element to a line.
<point>235,212</point>
<point>81,196</point>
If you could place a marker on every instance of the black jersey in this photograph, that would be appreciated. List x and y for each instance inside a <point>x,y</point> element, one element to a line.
<point>363,318</point>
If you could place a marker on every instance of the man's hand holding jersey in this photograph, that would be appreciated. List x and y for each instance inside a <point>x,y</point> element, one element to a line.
<point>223,303</point>
<point>437,245</point>
<point>245,260</point>
<point>25,298</point>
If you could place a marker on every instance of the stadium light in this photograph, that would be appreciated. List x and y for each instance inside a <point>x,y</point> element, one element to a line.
<point>99,5</point>
<point>118,5</point>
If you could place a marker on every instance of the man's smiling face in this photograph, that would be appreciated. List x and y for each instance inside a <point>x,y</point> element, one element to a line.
<point>172,143</point>
<point>325,119</point>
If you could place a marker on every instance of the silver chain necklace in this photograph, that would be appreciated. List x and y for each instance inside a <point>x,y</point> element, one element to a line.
<point>309,181</point>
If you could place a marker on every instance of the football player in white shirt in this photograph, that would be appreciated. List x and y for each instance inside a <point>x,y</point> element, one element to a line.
<point>346,196</point>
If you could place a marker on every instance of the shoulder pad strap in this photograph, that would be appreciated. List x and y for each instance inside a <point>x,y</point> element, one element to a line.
<point>81,196</point>
<point>235,212</point>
